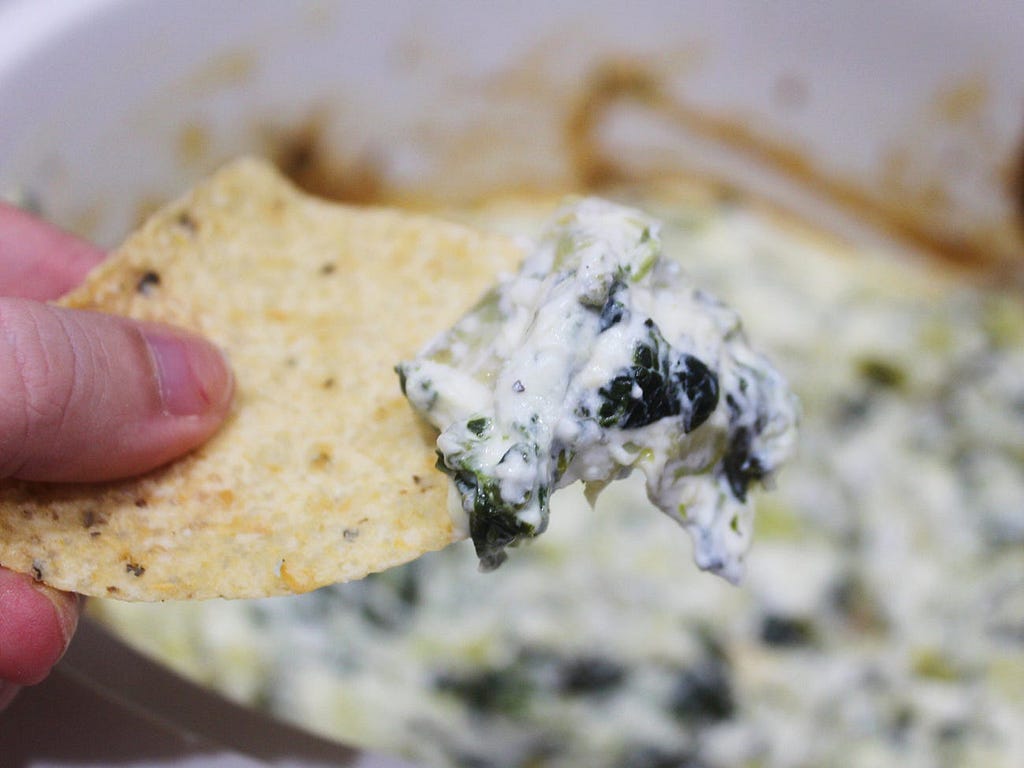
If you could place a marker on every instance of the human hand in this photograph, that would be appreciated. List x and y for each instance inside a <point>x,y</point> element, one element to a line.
<point>83,397</point>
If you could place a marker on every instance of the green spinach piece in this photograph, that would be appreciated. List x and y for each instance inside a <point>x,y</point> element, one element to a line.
<point>669,386</point>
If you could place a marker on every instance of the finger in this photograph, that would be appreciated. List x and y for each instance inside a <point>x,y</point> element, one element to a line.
<point>39,261</point>
<point>36,625</point>
<point>86,396</point>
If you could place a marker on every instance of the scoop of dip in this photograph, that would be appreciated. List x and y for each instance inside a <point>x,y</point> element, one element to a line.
<point>597,358</point>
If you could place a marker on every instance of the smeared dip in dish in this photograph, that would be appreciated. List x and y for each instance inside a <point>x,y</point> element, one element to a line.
<point>880,619</point>
<point>599,357</point>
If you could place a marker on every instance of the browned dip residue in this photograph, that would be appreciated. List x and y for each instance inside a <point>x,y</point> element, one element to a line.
<point>305,156</point>
<point>193,143</point>
<point>1016,186</point>
<point>609,85</point>
<point>993,247</point>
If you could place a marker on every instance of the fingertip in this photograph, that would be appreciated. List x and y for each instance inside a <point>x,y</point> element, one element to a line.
<point>36,625</point>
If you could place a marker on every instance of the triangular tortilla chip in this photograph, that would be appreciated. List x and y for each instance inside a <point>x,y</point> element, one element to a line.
<point>322,473</point>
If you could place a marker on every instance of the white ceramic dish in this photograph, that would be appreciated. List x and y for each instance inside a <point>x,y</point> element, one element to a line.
<point>108,107</point>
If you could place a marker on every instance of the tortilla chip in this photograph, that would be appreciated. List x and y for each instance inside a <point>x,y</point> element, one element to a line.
<point>322,472</point>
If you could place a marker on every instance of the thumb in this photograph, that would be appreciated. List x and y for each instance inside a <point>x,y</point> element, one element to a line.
<point>86,396</point>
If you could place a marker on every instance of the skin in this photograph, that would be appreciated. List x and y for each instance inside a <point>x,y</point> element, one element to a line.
<point>84,397</point>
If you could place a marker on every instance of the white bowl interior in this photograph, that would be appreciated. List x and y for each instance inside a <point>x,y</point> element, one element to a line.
<point>110,106</point>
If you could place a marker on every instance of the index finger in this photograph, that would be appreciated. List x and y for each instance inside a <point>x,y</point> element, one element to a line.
<point>38,260</point>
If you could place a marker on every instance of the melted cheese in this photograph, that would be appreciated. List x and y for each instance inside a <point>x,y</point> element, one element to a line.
<point>599,357</point>
<point>880,622</point>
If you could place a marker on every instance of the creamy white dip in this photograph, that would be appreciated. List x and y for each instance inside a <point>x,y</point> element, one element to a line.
<point>599,357</point>
<point>881,619</point>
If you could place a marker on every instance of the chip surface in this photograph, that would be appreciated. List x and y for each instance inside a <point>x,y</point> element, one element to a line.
<point>322,472</point>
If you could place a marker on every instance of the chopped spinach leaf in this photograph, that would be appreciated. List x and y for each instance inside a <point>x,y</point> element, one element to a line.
<point>703,693</point>
<point>657,386</point>
<point>478,425</point>
<point>786,631</point>
<point>503,690</point>
<point>613,310</point>
<point>741,464</point>
<point>589,674</point>
<point>493,524</point>
<point>652,756</point>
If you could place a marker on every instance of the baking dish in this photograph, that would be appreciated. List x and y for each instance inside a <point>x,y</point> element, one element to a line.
<point>885,124</point>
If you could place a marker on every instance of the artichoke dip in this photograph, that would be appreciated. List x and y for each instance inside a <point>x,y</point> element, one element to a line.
<point>880,621</point>
<point>599,357</point>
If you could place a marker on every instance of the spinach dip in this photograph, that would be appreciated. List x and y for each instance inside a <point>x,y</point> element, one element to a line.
<point>880,621</point>
<point>600,356</point>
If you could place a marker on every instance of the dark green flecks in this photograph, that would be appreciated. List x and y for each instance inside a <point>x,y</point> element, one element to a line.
<point>489,691</point>
<point>669,385</point>
<point>554,365</point>
<point>786,631</point>
<point>703,692</point>
<point>508,688</point>
<point>652,756</point>
<point>564,459</point>
<point>427,393</point>
<point>660,383</point>
<point>493,523</point>
<point>389,599</point>
<point>613,310</point>
<point>881,373</point>
<point>590,675</point>
<point>478,425</point>
<point>857,606</point>
<point>876,379</point>
<point>741,464</point>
